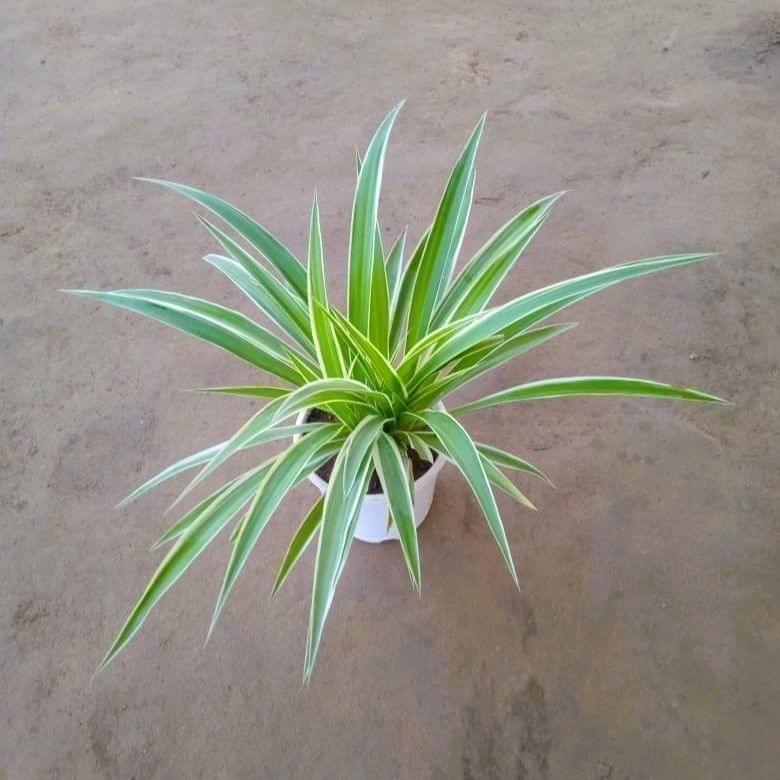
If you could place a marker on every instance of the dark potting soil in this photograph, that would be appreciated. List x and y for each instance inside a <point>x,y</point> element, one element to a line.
<point>419,466</point>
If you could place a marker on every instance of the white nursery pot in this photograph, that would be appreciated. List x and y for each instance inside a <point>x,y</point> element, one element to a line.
<point>374,512</point>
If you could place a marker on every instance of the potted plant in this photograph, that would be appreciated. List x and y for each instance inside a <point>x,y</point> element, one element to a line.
<point>367,385</point>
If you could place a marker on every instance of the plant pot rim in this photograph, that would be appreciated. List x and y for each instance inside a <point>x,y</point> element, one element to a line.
<point>429,476</point>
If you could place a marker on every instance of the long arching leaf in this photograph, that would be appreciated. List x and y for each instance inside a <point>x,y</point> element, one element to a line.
<point>363,229</point>
<point>379,365</point>
<point>483,274</point>
<point>403,298</point>
<point>492,321</point>
<point>497,456</point>
<point>216,324</point>
<point>395,263</point>
<point>461,450</point>
<point>565,387</point>
<point>331,391</point>
<point>346,490</point>
<point>249,391</point>
<point>255,427</point>
<point>328,353</point>
<point>379,321</point>
<point>188,547</point>
<point>261,286</point>
<point>256,293</point>
<point>502,482</point>
<point>300,541</point>
<point>292,466</point>
<point>393,475</point>
<point>443,244</point>
<point>430,392</point>
<point>274,250</point>
<point>204,456</point>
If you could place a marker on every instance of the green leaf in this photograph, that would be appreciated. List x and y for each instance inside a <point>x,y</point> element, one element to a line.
<point>204,456</point>
<point>330,391</point>
<point>378,324</point>
<point>494,474</point>
<point>196,459</point>
<point>187,548</point>
<point>408,369</point>
<point>520,325</point>
<point>240,490</point>
<point>429,393</point>
<point>394,265</point>
<point>403,298</point>
<point>502,345</point>
<point>260,297</point>
<point>443,244</point>
<point>345,492</point>
<point>363,480</point>
<point>291,467</point>
<point>361,438</point>
<point>299,543</point>
<point>379,321</point>
<point>588,385</point>
<point>282,305</point>
<point>363,228</point>
<point>277,253</point>
<point>379,366</point>
<point>500,457</point>
<point>502,482</point>
<point>251,391</point>
<point>328,353</point>
<point>307,370</point>
<point>393,475</point>
<point>420,446</point>
<point>256,426</point>
<point>484,273</point>
<point>461,450</point>
<point>492,321</point>
<point>216,324</point>
<point>497,456</point>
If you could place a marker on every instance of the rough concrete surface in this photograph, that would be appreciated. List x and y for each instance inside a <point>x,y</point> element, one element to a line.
<point>644,642</point>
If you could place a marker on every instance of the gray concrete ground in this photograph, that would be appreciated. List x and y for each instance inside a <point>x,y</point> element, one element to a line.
<point>644,643</point>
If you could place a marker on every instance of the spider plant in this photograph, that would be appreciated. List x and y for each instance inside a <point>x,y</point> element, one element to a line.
<point>414,331</point>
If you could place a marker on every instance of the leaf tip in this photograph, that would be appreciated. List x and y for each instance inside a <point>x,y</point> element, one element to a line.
<point>710,398</point>
<point>707,255</point>
<point>107,658</point>
<point>86,293</point>
<point>149,180</point>
<point>214,618</point>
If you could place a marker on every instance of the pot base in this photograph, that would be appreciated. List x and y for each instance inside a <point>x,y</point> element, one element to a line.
<point>372,525</point>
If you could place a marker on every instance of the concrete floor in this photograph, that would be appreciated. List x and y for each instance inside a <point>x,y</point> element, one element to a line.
<point>644,644</point>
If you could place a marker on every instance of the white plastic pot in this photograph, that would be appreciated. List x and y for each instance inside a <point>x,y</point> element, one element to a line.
<point>374,512</point>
